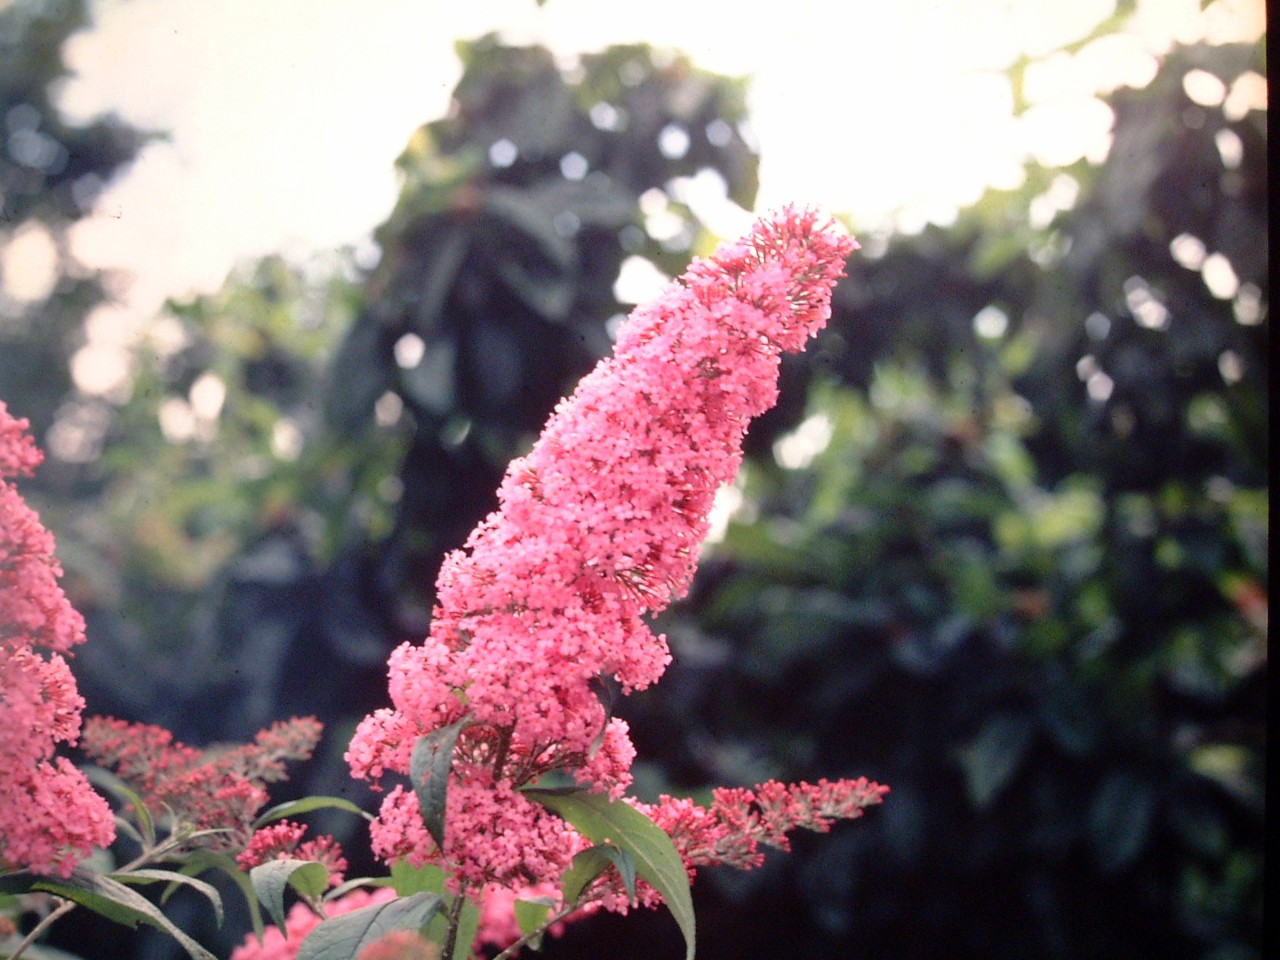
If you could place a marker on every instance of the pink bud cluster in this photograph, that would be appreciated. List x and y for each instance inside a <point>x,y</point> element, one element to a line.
<point>50,818</point>
<point>283,840</point>
<point>739,821</point>
<point>597,527</point>
<point>219,788</point>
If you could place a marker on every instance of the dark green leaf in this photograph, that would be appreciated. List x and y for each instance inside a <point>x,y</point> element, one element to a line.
<point>429,767</point>
<point>342,938</point>
<point>272,878</point>
<point>992,758</point>
<point>1120,819</point>
<point>605,821</point>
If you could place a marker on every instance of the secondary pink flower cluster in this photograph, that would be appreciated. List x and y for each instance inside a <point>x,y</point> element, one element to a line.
<point>221,787</point>
<point>732,829</point>
<point>50,818</point>
<point>598,526</point>
<point>283,840</point>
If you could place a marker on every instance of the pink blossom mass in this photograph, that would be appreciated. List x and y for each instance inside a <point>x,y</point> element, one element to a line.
<point>50,817</point>
<point>597,527</point>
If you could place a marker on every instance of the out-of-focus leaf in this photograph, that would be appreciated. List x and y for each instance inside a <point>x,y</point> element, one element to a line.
<point>1120,816</point>
<point>994,756</point>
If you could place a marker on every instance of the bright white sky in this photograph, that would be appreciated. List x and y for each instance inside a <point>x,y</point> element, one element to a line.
<point>285,116</point>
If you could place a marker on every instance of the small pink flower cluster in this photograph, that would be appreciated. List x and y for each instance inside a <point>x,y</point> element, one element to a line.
<point>207,789</point>
<point>598,526</point>
<point>731,830</point>
<point>50,818</point>
<point>283,840</point>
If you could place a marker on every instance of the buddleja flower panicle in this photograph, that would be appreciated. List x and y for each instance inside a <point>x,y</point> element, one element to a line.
<point>597,527</point>
<point>50,817</point>
<point>222,787</point>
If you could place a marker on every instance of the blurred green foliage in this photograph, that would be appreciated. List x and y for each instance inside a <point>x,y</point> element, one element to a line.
<point>1013,562</point>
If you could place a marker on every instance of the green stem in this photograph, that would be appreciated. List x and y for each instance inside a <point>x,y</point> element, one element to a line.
<point>455,915</point>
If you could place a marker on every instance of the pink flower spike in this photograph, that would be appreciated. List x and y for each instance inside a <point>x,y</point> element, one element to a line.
<point>50,817</point>
<point>598,526</point>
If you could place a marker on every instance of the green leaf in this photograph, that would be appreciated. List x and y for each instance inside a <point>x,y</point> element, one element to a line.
<point>610,822</point>
<point>199,861</point>
<point>118,903</point>
<point>293,808</point>
<point>406,879</point>
<point>590,863</point>
<point>992,758</point>
<point>272,878</point>
<point>429,768</point>
<point>1120,819</point>
<point>173,878</point>
<point>342,938</point>
<point>531,915</point>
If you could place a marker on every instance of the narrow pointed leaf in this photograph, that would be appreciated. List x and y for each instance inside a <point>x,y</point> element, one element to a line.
<point>429,767</point>
<point>609,822</point>
<point>173,878</point>
<point>357,883</point>
<point>342,938</point>
<point>201,860</point>
<point>116,902</point>
<point>113,784</point>
<point>294,808</point>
